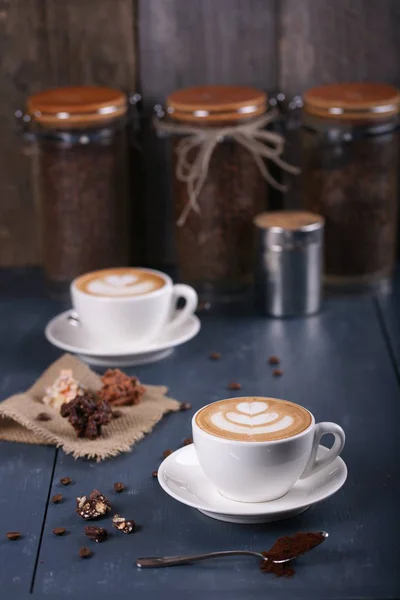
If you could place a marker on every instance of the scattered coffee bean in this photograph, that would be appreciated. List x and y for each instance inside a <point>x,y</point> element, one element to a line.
<point>119,487</point>
<point>13,535</point>
<point>57,499</point>
<point>96,534</point>
<point>94,506</point>
<point>277,372</point>
<point>85,553</point>
<point>234,386</point>
<point>123,524</point>
<point>59,530</point>
<point>215,356</point>
<point>167,453</point>
<point>187,441</point>
<point>43,417</point>
<point>65,481</point>
<point>154,474</point>
<point>274,360</point>
<point>116,414</point>
<point>185,406</point>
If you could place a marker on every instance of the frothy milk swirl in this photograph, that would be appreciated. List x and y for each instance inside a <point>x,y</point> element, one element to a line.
<point>254,419</point>
<point>120,282</point>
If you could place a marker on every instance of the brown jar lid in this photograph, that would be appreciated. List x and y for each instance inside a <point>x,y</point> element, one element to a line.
<point>353,101</point>
<point>76,106</point>
<point>216,103</point>
<point>289,220</point>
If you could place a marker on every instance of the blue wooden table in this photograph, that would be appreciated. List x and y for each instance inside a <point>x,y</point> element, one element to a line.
<point>344,365</point>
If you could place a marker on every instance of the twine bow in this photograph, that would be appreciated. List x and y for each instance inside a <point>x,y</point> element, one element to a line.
<point>251,135</point>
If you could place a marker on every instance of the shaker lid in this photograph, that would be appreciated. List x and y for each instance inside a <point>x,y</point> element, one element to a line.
<point>216,103</point>
<point>77,106</point>
<point>367,101</point>
<point>289,220</point>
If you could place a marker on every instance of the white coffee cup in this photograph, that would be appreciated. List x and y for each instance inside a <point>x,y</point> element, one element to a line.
<point>133,320</point>
<point>258,471</point>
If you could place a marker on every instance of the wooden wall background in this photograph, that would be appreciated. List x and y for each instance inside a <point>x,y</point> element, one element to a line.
<point>155,46</point>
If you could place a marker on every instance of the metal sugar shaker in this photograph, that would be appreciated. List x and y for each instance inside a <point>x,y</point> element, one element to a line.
<point>289,263</point>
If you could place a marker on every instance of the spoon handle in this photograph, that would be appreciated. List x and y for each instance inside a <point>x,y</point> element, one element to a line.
<point>168,561</point>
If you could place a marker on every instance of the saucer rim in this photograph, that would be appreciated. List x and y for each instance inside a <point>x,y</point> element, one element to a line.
<point>154,347</point>
<point>255,508</point>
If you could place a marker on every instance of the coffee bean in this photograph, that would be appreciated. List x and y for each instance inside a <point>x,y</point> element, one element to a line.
<point>57,499</point>
<point>59,530</point>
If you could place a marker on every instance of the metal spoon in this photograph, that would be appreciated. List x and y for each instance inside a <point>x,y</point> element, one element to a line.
<point>168,561</point>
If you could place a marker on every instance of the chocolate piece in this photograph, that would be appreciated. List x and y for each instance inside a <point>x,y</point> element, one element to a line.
<point>43,417</point>
<point>92,507</point>
<point>187,441</point>
<point>85,553</point>
<point>274,360</point>
<point>65,481</point>
<point>13,535</point>
<point>119,487</point>
<point>185,406</point>
<point>119,389</point>
<point>96,534</point>
<point>57,499</point>
<point>215,356</point>
<point>59,530</point>
<point>167,453</point>
<point>277,372</point>
<point>123,524</point>
<point>87,414</point>
<point>234,386</point>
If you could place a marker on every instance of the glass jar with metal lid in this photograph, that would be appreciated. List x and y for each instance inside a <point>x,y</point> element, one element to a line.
<point>350,176</point>
<point>80,179</point>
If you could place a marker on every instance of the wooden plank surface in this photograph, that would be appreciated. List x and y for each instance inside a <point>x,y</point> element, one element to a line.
<point>183,44</point>
<point>337,364</point>
<point>46,43</point>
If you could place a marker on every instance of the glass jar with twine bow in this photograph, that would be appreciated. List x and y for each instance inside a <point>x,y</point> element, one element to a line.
<point>220,179</point>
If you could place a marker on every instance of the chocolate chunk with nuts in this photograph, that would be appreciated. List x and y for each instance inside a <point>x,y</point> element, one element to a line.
<point>94,506</point>
<point>85,553</point>
<point>234,386</point>
<point>43,417</point>
<point>59,530</point>
<point>65,481</point>
<point>119,487</point>
<point>13,535</point>
<point>96,534</point>
<point>57,499</point>
<point>274,360</point>
<point>87,414</point>
<point>119,389</point>
<point>123,524</point>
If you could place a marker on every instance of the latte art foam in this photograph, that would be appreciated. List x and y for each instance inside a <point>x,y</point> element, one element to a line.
<point>253,419</point>
<point>121,282</point>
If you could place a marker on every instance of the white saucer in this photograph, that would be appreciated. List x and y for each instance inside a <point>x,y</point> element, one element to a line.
<point>62,334</point>
<point>181,476</point>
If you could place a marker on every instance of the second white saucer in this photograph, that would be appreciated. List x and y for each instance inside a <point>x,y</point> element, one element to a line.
<point>62,334</point>
<point>181,476</point>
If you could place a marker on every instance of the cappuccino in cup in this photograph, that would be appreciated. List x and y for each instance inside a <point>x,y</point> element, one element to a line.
<point>254,449</point>
<point>129,306</point>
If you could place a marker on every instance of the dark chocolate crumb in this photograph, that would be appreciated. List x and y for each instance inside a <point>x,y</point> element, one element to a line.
<point>277,372</point>
<point>167,453</point>
<point>43,417</point>
<point>65,481</point>
<point>59,530</point>
<point>234,386</point>
<point>116,414</point>
<point>185,406</point>
<point>85,553</point>
<point>187,441</point>
<point>215,356</point>
<point>13,535</point>
<point>274,360</point>
<point>57,499</point>
<point>154,474</point>
<point>119,487</point>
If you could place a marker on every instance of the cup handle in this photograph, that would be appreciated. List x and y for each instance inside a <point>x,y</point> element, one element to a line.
<point>73,319</point>
<point>316,464</point>
<point>188,293</point>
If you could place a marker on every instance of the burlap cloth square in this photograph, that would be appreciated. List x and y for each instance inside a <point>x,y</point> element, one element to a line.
<point>19,416</point>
